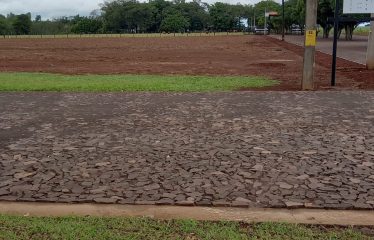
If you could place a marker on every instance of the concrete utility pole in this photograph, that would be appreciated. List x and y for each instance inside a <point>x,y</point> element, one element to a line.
<point>370,51</point>
<point>283,21</point>
<point>310,44</point>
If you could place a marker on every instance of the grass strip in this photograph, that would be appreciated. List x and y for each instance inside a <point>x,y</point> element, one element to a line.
<point>14,228</point>
<point>127,83</point>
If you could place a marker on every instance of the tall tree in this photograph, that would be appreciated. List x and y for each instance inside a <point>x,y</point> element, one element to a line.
<point>22,24</point>
<point>4,28</point>
<point>87,25</point>
<point>261,7</point>
<point>38,18</point>
<point>222,17</point>
<point>175,22</point>
<point>195,12</point>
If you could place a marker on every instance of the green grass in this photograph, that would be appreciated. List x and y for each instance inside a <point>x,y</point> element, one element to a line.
<point>363,31</point>
<point>128,83</point>
<point>12,228</point>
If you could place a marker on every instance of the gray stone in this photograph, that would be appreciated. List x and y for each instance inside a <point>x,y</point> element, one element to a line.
<point>105,200</point>
<point>284,185</point>
<point>23,175</point>
<point>291,204</point>
<point>152,187</point>
<point>4,192</point>
<point>102,164</point>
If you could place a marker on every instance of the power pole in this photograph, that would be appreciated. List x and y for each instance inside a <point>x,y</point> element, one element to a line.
<point>310,44</point>
<point>283,21</point>
<point>370,51</point>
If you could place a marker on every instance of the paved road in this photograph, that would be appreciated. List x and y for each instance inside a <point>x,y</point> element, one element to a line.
<point>267,149</point>
<point>354,50</point>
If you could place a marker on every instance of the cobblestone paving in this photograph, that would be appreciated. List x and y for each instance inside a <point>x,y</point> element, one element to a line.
<point>265,149</point>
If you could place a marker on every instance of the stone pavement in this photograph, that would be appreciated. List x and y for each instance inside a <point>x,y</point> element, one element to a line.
<point>263,149</point>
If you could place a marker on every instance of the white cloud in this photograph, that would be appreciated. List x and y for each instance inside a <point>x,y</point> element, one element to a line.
<point>49,8</point>
<point>56,8</point>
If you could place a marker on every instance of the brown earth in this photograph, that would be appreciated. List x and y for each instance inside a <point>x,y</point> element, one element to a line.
<point>223,55</point>
<point>359,76</point>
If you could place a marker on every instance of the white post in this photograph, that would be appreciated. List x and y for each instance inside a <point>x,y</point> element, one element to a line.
<point>370,51</point>
<point>265,23</point>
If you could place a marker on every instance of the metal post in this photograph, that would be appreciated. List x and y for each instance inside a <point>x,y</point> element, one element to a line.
<point>265,23</point>
<point>335,46</point>
<point>310,44</point>
<point>254,20</point>
<point>283,20</point>
<point>370,51</point>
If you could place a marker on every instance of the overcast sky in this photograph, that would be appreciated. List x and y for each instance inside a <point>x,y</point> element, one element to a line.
<point>57,8</point>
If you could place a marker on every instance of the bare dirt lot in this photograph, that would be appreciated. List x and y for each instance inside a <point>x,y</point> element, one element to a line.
<point>224,55</point>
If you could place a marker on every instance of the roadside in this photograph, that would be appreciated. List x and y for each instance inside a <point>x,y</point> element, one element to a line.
<point>359,77</point>
<point>249,215</point>
<point>354,50</point>
<point>14,228</point>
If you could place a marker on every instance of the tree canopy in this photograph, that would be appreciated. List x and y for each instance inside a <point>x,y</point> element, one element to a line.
<point>132,16</point>
<point>22,24</point>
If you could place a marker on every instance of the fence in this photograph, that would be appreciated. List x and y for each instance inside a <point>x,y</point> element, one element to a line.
<point>125,35</point>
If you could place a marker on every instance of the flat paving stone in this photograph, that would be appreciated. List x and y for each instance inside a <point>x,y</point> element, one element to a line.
<point>241,149</point>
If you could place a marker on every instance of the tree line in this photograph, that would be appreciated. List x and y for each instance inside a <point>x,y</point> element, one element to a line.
<point>132,16</point>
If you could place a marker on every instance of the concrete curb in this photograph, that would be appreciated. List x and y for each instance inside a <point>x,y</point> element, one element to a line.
<point>302,216</point>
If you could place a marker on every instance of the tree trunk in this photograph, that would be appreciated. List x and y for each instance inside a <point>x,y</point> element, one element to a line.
<point>326,31</point>
<point>349,32</point>
<point>339,32</point>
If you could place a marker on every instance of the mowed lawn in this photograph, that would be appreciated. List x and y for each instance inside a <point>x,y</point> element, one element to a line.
<point>128,83</point>
<point>144,228</point>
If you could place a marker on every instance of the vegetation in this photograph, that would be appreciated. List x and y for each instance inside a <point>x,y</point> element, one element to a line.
<point>133,16</point>
<point>13,228</point>
<point>22,24</point>
<point>363,31</point>
<point>174,23</point>
<point>131,83</point>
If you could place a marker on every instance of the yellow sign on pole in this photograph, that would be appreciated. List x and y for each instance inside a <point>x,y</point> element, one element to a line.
<point>311,38</point>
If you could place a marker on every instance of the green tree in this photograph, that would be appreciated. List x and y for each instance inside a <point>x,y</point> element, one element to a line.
<point>240,13</point>
<point>265,6</point>
<point>294,13</point>
<point>222,17</point>
<point>22,24</point>
<point>87,25</point>
<point>38,18</point>
<point>141,17</point>
<point>195,12</point>
<point>175,22</point>
<point>160,8</point>
<point>4,27</point>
